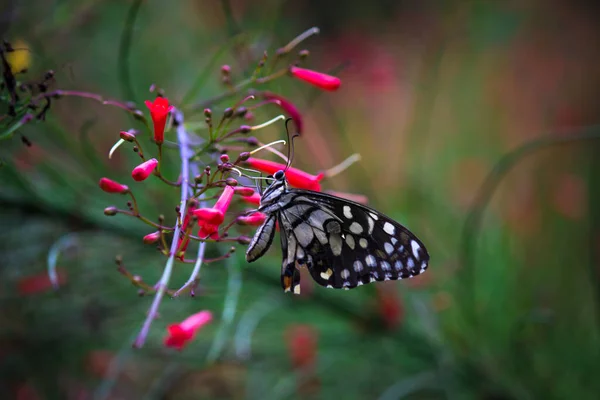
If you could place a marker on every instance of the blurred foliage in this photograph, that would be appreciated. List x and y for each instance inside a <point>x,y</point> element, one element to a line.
<point>468,117</point>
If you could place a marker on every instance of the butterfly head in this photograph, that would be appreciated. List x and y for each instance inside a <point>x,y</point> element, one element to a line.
<point>277,187</point>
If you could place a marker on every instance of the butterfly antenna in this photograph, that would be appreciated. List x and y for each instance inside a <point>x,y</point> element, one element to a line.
<point>290,155</point>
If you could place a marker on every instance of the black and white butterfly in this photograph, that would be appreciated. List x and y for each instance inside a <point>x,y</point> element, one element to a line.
<point>342,243</point>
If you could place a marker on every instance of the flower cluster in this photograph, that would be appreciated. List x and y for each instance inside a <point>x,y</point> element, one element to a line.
<point>214,184</point>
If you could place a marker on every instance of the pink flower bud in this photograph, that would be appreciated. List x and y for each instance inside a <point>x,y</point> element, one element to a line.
<point>143,171</point>
<point>152,237</point>
<point>110,186</point>
<point>255,219</point>
<point>243,191</point>
<point>318,79</point>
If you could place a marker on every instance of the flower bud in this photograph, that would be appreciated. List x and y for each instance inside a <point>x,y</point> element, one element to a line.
<point>231,182</point>
<point>243,191</point>
<point>151,237</point>
<point>110,186</point>
<point>126,136</point>
<point>110,211</point>
<point>224,158</point>
<point>143,171</point>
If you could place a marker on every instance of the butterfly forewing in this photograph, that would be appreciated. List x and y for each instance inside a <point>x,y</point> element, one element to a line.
<point>343,244</point>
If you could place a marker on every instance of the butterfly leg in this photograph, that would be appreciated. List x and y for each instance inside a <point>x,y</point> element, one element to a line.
<point>290,278</point>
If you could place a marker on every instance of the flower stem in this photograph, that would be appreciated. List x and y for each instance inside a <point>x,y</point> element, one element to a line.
<point>185,154</point>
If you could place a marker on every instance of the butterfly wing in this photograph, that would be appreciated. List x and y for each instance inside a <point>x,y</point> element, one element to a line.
<point>345,244</point>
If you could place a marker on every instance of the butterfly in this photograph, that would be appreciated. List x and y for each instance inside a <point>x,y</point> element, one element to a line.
<point>342,243</point>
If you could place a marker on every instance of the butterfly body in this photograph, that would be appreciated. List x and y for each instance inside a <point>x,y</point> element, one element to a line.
<point>342,243</point>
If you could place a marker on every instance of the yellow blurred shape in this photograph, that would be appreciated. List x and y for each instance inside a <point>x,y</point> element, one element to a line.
<point>20,58</point>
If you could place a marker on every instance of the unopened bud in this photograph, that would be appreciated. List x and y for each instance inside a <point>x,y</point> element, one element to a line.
<point>231,182</point>
<point>228,112</point>
<point>126,136</point>
<point>243,191</point>
<point>207,112</point>
<point>241,111</point>
<point>136,278</point>
<point>110,211</point>
<point>245,128</point>
<point>151,237</point>
<point>243,156</point>
<point>303,53</point>
<point>232,249</point>
<point>225,69</point>
<point>224,158</point>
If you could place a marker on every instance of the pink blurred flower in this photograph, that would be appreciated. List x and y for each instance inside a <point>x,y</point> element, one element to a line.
<point>180,334</point>
<point>318,79</point>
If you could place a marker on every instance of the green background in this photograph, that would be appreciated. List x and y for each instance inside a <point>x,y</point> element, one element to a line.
<point>476,126</point>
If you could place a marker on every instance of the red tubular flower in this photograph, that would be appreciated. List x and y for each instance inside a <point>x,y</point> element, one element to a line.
<point>318,79</point>
<point>110,186</point>
<point>209,219</point>
<point>288,107</point>
<point>253,199</point>
<point>180,334</point>
<point>159,109</point>
<point>255,219</point>
<point>296,177</point>
<point>143,171</point>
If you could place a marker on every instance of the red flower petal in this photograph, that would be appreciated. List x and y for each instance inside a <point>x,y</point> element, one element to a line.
<point>159,110</point>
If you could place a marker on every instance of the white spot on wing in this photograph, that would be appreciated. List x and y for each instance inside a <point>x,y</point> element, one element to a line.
<point>410,263</point>
<point>356,228</point>
<point>350,241</point>
<point>371,222</point>
<point>374,216</point>
<point>358,266</point>
<point>415,248</point>
<point>327,274</point>
<point>347,212</point>
<point>394,241</point>
<point>388,248</point>
<point>297,289</point>
<point>389,228</point>
<point>386,266</point>
<point>363,243</point>
<point>345,274</point>
<point>335,242</point>
<point>398,265</point>
<point>371,261</point>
